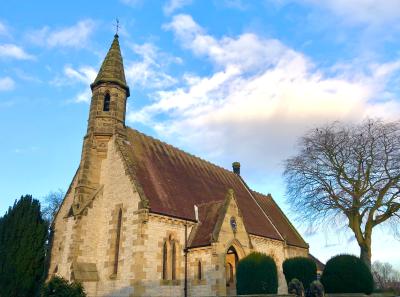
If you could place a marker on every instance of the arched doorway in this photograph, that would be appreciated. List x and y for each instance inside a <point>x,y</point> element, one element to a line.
<point>231,261</point>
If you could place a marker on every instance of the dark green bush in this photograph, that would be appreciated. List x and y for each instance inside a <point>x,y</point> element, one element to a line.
<point>296,287</point>
<point>302,268</point>
<point>59,287</point>
<point>23,235</point>
<point>256,274</point>
<point>347,274</point>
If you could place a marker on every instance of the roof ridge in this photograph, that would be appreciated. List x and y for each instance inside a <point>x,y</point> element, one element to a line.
<point>182,151</point>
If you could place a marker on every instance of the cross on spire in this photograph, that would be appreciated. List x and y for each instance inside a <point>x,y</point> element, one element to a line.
<point>117,26</point>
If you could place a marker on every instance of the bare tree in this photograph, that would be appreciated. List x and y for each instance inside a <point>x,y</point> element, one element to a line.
<point>51,203</point>
<point>384,275</point>
<point>350,171</point>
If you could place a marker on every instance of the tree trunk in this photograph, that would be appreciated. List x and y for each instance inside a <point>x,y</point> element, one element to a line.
<point>365,254</point>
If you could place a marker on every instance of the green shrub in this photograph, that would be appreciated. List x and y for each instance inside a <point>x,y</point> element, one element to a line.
<point>256,274</point>
<point>23,235</point>
<point>296,287</point>
<point>59,287</point>
<point>347,274</point>
<point>302,268</point>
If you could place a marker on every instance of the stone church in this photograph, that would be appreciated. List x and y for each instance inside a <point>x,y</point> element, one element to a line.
<point>144,218</point>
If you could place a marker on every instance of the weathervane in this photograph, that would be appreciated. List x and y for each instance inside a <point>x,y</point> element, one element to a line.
<point>117,26</point>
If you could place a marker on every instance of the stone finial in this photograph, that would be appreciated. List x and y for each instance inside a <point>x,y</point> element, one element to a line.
<point>236,168</point>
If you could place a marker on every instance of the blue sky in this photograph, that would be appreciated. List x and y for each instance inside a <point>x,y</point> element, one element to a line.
<point>227,80</point>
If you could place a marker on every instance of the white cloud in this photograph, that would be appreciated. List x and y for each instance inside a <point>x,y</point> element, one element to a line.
<point>76,36</point>
<point>149,71</point>
<point>364,11</point>
<point>6,83</point>
<point>84,75</point>
<point>374,12</point>
<point>260,98</point>
<point>172,5</point>
<point>3,30</point>
<point>247,52</point>
<point>83,96</point>
<point>13,51</point>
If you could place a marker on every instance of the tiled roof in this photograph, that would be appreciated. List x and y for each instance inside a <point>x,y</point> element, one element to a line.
<point>320,265</point>
<point>208,216</point>
<point>280,221</point>
<point>173,181</point>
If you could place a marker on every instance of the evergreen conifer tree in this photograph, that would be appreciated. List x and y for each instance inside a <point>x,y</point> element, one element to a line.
<point>23,235</point>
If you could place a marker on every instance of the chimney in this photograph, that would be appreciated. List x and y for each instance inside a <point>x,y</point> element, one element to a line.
<point>236,168</point>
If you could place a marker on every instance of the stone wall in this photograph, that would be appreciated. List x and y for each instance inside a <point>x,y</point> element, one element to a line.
<point>90,237</point>
<point>276,250</point>
<point>279,252</point>
<point>63,229</point>
<point>160,229</point>
<point>202,287</point>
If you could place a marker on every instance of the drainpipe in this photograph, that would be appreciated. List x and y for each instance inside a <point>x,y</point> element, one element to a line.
<point>186,262</point>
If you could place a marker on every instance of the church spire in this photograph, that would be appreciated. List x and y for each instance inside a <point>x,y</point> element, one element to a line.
<point>106,120</point>
<point>112,69</point>
<point>109,94</point>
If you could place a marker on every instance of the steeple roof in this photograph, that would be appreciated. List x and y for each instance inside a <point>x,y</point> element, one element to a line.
<point>112,69</point>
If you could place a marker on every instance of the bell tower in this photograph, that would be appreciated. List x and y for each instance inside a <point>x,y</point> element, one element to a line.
<point>106,120</point>
<point>109,94</point>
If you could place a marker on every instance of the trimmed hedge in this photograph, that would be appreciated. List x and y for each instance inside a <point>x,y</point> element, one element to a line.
<point>256,274</point>
<point>347,274</point>
<point>60,287</point>
<point>302,268</point>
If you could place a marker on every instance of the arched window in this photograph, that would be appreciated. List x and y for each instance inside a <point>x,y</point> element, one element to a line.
<point>169,257</point>
<point>106,103</point>
<point>117,242</point>
<point>173,260</point>
<point>164,262</point>
<point>199,272</point>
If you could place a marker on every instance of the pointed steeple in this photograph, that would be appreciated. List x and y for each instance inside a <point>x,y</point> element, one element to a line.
<point>112,69</point>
